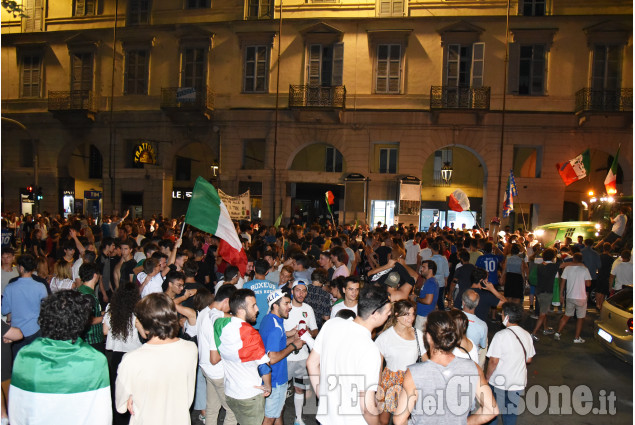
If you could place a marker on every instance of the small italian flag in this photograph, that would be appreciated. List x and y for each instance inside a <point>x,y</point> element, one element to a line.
<point>611,177</point>
<point>576,168</point>
<point>207,212</point>
<point>459,201</point>
<point>238,341</point>
<point>59,383</point>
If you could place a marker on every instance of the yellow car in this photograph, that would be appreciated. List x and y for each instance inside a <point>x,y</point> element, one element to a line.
<point>614,328</point>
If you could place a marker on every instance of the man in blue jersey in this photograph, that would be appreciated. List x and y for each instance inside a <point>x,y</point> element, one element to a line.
<point>491,263</point>
<point>262,288</point>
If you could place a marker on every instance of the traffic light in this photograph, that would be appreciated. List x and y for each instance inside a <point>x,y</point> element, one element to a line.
<point>38,193</point>
<point>29,192</point>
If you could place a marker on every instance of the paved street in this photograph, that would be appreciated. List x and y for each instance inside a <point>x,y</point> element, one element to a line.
<point>563,363</point>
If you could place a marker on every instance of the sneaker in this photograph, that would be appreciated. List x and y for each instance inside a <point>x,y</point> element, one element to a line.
<point>579,340</point>
<point>533,316</point>
<point>201,418</point>
<point>556,336</point>
<point>535,338</point>
<point>548,331</point>
<point>298,422</point>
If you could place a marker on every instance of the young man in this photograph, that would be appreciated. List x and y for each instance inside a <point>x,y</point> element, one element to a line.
<point>318,297</point>
<point>150,279</point>
<point>427,298</point>
<point>442,273</point>
<point>345,349</point>
<point>278,347</point>
<point>9,271</point>
<point>462,278</point>
<point>262,288</point>
<point>128,263</point>
<point>489,297</point>
<point>95,334</point>
<point>546,274</point>
<point>214,374</point>
<point>247,371</point>
<point>349,289</point>
<point>621,272</point>
<point>300,317</point>
<point>326,264</point>
<point>575,278</point>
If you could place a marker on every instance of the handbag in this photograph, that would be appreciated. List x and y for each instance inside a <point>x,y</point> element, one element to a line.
<point>418,348</point>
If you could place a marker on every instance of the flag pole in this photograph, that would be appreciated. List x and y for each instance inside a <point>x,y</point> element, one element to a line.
<point>182,230</point>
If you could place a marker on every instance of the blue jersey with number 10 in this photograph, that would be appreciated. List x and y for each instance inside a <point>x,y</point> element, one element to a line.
<point>491,264</point>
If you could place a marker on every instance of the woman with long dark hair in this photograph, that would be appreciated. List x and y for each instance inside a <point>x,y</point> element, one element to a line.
<point>122,330</point>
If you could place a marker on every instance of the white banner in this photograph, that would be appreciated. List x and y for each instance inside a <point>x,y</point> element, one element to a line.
<point>239,207</point>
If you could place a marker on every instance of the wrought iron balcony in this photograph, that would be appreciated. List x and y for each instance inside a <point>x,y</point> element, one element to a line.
<point>70,101</point>
<point>453,97</point>
<point>187,98</point>
<point>306,96</point>
<point>590,100</point>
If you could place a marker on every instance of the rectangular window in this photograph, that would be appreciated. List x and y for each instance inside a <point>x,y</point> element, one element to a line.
<point>26,153</point>
<point>183,168</point>
<point>138,12</point>
<point>391,7</point>
<point>531,70</point>
<point>532,7</point>
<point>31,75</point>
<point>85,7</point>
<point>33,15</point>
<point>136,74</point>
<point>388,160</point>
<point>527,161</point>
<point>333,161</point>
<point>82,71</point>
<point>196,4</point>
<point>607,64</point>
<point>193,67</point>
<point>325,64</point>
<point>95,163</point>
<point>259,9</point>
<point>254,151</point>
<point>256,67</point>
<point>388,69</point>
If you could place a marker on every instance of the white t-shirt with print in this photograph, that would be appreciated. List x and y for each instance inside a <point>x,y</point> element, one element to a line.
<point>306,313</point>
<point>398,352</point>
<point>206,343</point>
<point>511,371</point>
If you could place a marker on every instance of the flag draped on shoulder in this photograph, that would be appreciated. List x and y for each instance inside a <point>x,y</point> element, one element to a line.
<point>510,192</point>
<point>207,212</point>
<point>611,178</point>
<point>238,341</point>
<point>576,168</point>
<point>459,201</point>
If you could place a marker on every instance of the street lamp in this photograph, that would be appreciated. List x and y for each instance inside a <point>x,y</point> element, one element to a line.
<point>446,172</point>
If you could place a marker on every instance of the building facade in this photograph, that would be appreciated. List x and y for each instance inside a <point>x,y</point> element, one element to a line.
<point>114,104</point>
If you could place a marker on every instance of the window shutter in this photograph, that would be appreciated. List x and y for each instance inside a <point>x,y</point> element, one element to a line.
<point>382,68</point>
<point>513,68</point>
<point>613,68</point>
<point>338,64</point>
<point>397,8</point>
<point>539,69</point>
<point>452,65</point>
<point>394,85</point>
<point>383,160</point>
<point>315,62</point>
<point>37,16</point>
<point>478,61</point>
<point>385,7</point>
<point>80,7</point>
<point>90,7</point>
<point>265,9</point>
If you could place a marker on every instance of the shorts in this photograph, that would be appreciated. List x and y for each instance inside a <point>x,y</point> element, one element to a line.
<point>275,402</point>
<point>389,389</point>
<point>611,237</point>
<point>298,373</point>
<point>602,286</point>
<point>577,307</point>
<point>249,411</point>
<point>544,302</point>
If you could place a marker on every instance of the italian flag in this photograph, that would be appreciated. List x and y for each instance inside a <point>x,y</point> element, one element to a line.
<point>459,201</point>
<point>207,212</point>
<point>60,383</point>
<point>611,177</point>
<point>576,168</point>
<point>238,341</point>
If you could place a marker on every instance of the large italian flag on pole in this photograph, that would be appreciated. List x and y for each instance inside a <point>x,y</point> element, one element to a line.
<point>60,383</point>
<point>611,177</point>
<point>207,212</point>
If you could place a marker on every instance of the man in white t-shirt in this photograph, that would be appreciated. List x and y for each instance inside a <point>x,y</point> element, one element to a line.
<point>509,353</point>
<point>575,278</point>
<point>349,289</point>
<point>214,374</point>
<point>296,362</point>
<point>621,271</point>
<point>151,278</point>
<point>345,363</point>
<point>412,250</point>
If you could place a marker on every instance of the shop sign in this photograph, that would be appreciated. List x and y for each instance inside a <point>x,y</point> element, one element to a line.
<point>145,154</point>
<point>179,193</point>
<point>92,194</point>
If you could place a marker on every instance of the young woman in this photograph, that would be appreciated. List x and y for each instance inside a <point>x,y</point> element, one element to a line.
<point>466,349</point>
<point>62,276</point>
<point>514,274</point>
<point>401,345</point>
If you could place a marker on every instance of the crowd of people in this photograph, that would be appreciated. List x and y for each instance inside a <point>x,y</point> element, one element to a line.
<point>141,321</point>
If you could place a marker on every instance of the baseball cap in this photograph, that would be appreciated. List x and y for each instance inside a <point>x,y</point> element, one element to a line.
<point>273,297</point>
<point>298,282</point>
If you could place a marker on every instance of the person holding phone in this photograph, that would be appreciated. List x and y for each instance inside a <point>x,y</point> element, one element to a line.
<point>489,297</point>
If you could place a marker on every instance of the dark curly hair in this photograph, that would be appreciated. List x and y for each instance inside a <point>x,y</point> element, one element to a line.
<point>157,314</point>
<point>65,315</point>
<point>121,309</point>
<point>442,330</point>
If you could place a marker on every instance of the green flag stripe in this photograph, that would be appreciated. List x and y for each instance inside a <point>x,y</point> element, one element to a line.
<point>219,324</point>
<point>203,211</point>
<point>614,164</point>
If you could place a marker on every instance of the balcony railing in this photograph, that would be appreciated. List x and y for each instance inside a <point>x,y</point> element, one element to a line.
<point>604,100</point>
<point>187,98</point>
<point>452,97</point>
<point>73,100</point>
<point>306,96</point>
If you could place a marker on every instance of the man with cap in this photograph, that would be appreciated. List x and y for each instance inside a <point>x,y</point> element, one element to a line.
<point>302,319</point>
<point>278,346</point>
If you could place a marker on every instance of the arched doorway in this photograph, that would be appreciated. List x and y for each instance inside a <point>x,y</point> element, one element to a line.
<point>468,174</point>
<point>314,170</point>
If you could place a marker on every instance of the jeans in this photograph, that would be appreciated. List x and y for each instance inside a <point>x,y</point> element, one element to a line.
<point>508,404</point>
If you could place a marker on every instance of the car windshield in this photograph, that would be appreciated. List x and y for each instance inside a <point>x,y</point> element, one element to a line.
<point>623,300</point>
